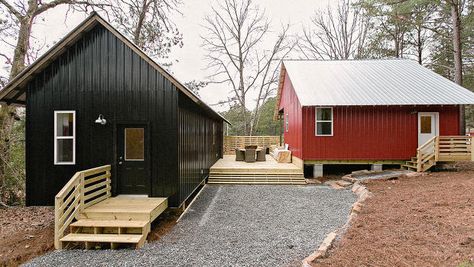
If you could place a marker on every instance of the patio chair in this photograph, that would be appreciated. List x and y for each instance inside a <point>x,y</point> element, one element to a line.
<point>239,155</point>
<point>249,155</point>
<point>261,154</point>
<point>251,147</point>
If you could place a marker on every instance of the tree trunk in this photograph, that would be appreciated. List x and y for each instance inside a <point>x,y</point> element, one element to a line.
<point>457,52</point>
<point>419,46</point>
<point>138,29</point>
<point>21,49</point>
<point>7,112</point>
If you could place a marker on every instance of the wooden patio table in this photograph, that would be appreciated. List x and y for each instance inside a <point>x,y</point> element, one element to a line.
<point>256,150</point>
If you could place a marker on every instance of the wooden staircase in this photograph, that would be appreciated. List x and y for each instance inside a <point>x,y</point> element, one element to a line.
<point>441,149</point>
<point>228,171</point>
<point>94,219</point>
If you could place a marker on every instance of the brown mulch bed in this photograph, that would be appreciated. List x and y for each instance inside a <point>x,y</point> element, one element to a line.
<point>25,232</point>
<point>418,221</point>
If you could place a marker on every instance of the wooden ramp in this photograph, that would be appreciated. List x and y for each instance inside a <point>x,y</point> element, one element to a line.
<point>84,206</point>
<point>229,171</point>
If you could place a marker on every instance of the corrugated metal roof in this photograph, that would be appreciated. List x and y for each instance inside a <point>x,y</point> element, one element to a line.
<point>372,82</point>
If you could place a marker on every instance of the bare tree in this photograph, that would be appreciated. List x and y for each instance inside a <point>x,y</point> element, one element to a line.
<point>195,86</point>
<point>339,33</point>
<point>148,24</point>
<point>237,34</point>
<point>16,34</point>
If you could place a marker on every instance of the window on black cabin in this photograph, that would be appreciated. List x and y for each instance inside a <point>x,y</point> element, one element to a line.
<point>64,137</point>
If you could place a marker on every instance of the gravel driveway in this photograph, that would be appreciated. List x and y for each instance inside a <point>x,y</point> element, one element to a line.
<point>234,226</point>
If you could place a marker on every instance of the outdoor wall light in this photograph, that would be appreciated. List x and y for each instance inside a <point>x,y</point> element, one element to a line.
<point>101,120</point>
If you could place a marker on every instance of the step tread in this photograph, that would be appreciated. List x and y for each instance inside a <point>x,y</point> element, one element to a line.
<point>109,223</point>
<point>112,238</point>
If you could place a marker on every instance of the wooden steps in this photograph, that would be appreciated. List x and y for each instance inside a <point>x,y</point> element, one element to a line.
<point>103,238</point>
<point>109,223</point>
<point>114,240</point>
<point>114,232</point>
<point>229,171</point>
<point>115,222</point>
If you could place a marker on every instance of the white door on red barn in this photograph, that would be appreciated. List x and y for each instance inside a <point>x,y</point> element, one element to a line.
<point>428,126</point>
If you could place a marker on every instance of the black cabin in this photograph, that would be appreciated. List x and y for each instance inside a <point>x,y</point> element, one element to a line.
<point>95,99</point>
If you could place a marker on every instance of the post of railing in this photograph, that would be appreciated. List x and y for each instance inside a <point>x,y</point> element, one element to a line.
<point>436,148</point>
<point>419,156</point>
<point>57,215</point>
<point>82,190</point>
<point>471,138</point>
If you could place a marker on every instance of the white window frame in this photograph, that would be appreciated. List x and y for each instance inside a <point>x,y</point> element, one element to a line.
<point>287,122</point>
<point>56,137</point>
<point>316,121</point>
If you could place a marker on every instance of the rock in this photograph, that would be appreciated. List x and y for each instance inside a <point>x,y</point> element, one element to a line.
<point>313,181</point>
<point>327,244</point>
<point>414,174</point>
<point>333,184</point>
<point>336,186</point>
<point>343,183</point>
<point>349,178</point>
<point>355,187</point>
<point>361,172</point>
<point>357,207</point>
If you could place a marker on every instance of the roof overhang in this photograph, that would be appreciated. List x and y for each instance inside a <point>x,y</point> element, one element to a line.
<point>14,93</point>
<point>280,89</point>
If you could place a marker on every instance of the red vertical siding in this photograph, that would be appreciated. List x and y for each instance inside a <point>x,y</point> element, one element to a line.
<point>372,133</point>
<point>291,105</point>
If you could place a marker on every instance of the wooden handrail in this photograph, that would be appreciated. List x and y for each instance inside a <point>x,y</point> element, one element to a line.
<point>83,190</point>
<point>444,148</point>
<point>425,153</point>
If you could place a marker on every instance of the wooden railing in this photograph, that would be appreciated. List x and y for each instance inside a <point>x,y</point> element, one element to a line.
<point>445,149</point>
<point>233,142</point>
<point>426,155</point>
<point>85,189</point>
<point>455,148</point>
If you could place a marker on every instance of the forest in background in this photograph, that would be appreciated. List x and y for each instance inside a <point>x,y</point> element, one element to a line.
<point>244,53</point>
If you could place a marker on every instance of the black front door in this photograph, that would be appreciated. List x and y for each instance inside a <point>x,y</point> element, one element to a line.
<point>133,159</point>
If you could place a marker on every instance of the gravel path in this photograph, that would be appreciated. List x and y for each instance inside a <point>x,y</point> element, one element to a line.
<point>234,226</point>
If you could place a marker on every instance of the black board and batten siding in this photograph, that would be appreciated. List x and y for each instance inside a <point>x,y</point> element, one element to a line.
<point>199,146</point>
<point>100,74</point>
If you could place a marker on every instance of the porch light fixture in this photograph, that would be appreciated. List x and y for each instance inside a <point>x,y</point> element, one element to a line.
<point>101,120</point>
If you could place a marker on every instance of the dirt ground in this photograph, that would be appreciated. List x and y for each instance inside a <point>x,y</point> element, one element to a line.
<point>421,221</point>
<point>27,232</point>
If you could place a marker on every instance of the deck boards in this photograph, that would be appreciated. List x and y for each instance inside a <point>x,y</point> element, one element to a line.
<point>128,204</point>
<point>106,238</point>
<point>228,162</point>
<point>116,220</point>
<point>229,171</point>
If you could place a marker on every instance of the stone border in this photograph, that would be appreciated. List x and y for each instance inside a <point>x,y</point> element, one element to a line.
<point>362,195</point>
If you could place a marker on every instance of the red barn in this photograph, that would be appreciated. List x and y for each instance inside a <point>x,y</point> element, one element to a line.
<point>365,112</point>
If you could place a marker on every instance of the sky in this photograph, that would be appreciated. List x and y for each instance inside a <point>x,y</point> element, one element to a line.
<point>188,61</point>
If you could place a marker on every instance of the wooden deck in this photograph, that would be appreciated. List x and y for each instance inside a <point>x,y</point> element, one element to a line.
<point>229,171</point>
<point>127,208</point>
<point>94,218</point>
<point>116,221</point>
